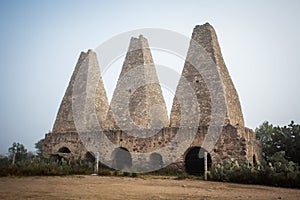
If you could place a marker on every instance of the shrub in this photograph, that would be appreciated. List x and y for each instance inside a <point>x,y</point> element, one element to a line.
<point>182,176</point>
<point>126,173</point>
<point>104,172</point>
<point>166,171</point>
<point>286,174</point>
<point>44,167</point>
<point>116,173</point>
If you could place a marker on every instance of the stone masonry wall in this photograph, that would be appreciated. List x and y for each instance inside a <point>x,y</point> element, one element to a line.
<point>230,144</point>
<point>64,121</point>
<point>204,52</point>
<point>137,100</point>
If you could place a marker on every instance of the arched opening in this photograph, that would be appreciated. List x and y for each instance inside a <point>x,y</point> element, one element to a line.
<point>254,160</point>
<point>64,150</point>
<point>90,157</point>
<point>121,159</point>
<point>156,160</point>
<point>194,163</point>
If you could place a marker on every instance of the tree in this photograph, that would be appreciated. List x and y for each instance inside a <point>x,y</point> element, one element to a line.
<point>264,134</point>
<point>285,140</point>
<point>39,146</point>
<point>17,152</point>
<point>4,161</point>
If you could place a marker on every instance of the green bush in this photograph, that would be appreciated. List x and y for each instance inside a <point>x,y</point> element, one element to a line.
<point>44,167</point>
<point>166,171</point>
<point>104,172</point>
<point>116,173</point>
<point>285,174</point>
<point>182,176</point>
<point>134,175</point>
<point>126,173</point>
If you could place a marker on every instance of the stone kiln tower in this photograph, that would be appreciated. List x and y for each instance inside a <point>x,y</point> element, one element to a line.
<point>206,37</point>
<point>138,106</point>
<point>64,133</point>
<point>137,99</point>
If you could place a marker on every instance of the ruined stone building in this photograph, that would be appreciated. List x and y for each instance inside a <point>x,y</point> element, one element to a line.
<point>129,127</point>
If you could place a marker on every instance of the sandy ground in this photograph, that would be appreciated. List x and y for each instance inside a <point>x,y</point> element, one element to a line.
<point>98,187</point>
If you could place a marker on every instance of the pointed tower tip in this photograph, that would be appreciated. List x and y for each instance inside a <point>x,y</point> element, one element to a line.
<point>90,51</point>
<point>206,36</point>
<point>141,37</point>
<point>82,54</point>
<point>207,25</point>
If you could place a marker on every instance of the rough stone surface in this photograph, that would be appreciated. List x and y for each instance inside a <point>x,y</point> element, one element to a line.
<point>229,145</point>
<point>205,36</point>
<point>139,85</point>
<point>235,140</point>
<point>64,121</point>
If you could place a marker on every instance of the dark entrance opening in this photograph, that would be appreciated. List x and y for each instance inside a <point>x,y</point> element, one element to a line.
<point>156,160</point>
<point>64,150</point>
<point>90,157</point>
<point>121,159</point>
<point>254,160</point>
<point>194,164</point>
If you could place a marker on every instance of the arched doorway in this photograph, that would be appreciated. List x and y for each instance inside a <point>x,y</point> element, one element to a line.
<point>156,161</point>
<point>64,150</point>
<point>194,164</point>
<point>121,159</point>
<point>90,157</point>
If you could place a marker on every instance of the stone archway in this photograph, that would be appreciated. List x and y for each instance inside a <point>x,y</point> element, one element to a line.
<point>193,163</point>
<point>90,157</point>
<point>121,159</point>
<point>156,160</point>
<point>64,150</point>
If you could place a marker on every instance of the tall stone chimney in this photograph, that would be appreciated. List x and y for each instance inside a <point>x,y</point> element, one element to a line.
<point>64,121</point>
<point>137,101</point>
<point>206,37</point>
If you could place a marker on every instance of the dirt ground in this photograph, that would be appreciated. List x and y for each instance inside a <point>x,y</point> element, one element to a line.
<point>99,187</point>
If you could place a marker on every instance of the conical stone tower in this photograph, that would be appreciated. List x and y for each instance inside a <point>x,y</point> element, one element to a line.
<point>208,54</point>
<point>64,121</point>
<point>137,102</point>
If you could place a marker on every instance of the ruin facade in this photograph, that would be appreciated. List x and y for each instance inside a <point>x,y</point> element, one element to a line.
<point>147,110</point>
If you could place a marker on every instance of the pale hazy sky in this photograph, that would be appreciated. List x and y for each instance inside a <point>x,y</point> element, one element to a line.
<point>41,41</point>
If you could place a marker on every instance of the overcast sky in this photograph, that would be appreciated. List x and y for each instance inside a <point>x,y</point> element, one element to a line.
<point>41,41</point>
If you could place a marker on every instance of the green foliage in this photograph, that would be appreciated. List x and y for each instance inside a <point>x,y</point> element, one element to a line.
<point>116,173</point>
<point>17,152</point>
<point>285,174</point>
<point>104,172</point>
<point>182,176</point>
<point>287,139</point>
<point>166,171</point>
<point>39,146</point>
<point>284,139</point>
<point>43,167</point>
<point>280,165</point>
<point>126,173</point>
<point>264,133</point>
